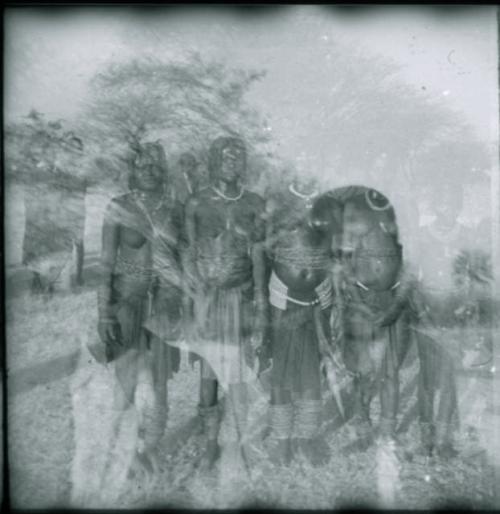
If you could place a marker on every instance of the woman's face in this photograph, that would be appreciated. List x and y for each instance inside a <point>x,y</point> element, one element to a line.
<point>148,173</point>
<point>233,163</point>
<point>305,184</point>
<point>377,261</point>
<point>448,204</point>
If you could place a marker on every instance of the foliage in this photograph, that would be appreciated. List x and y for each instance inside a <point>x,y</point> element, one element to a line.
<point>453,160</point>
<point>58,428</point>
<point>373,120</point>
<point>473,276</point>
<point>472,266</point>
<point>370,121</point>
<point>44,151</point>
<point>184,104</point>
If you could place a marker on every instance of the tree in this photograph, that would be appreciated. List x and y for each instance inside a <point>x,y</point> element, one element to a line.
<point>48,161</point>
<point>42,151</point>
<point>184,104</point>
<point>409,138</point>
<point>453,160</point>
<point>473,275</point>
<point>472,267</point>
<point>371,112</point>
<point>371,120</point>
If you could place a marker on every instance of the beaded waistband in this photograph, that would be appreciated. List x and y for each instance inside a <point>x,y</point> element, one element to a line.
<point>279,294</point>
<point>125,267</point>
<point>305,258</point>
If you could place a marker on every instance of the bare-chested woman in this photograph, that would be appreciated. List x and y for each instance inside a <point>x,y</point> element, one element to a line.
<point>224,224</point>
<point>140,274</point>
<point>299,241</point>
<point>375,312</point>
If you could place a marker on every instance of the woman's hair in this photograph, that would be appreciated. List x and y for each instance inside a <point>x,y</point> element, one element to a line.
<point>154,151</point>
<point>216,149</point>
<point>376,206</point>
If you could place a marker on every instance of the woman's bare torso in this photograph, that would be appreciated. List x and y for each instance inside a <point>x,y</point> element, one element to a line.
<point>301,249</point>
<point>225,232</point>
<point>133,272</point>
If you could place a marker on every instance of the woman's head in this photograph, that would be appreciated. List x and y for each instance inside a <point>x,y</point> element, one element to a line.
<point>227,159</point>
<point>377,260</point>
<point>148,167</point>
<point>447,200</point>
<point>371,239</point>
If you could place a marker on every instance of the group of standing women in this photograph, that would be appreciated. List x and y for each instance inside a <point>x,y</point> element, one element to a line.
<point>248,283</point>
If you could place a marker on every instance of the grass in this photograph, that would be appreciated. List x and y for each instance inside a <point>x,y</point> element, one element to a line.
<point>62,454</point>
<point>40,421</point>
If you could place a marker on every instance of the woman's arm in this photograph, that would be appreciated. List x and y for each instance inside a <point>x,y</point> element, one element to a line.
<point>108,324</point>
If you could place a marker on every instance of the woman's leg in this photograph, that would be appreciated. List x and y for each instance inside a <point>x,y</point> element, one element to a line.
<point>446,408</point>
<point>308,414</point>
<point>209,412</point>
<point>428,355</point>
<point>281,424</point>
<point>389,403</point>
<point>389,381</point>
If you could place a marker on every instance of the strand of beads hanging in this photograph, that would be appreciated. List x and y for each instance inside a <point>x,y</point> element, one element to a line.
<point>229,198</point>
<point>141,198</point>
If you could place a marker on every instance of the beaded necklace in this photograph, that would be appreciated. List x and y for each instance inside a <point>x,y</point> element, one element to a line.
<point>139,201</point>
<point>230,198</point>
<point>308,198</point>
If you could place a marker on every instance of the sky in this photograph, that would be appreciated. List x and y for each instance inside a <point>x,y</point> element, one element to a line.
<point>450,53</point>
<point>50,54</point>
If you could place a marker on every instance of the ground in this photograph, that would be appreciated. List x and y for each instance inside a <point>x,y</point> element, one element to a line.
<point>69,448</point>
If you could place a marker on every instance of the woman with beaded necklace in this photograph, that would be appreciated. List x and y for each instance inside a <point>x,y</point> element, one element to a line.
<point>225,230</point>
<point>140,274</point>
<point>302,230</point>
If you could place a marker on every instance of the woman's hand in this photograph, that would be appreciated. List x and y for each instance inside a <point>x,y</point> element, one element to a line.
<point>110,332</point>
